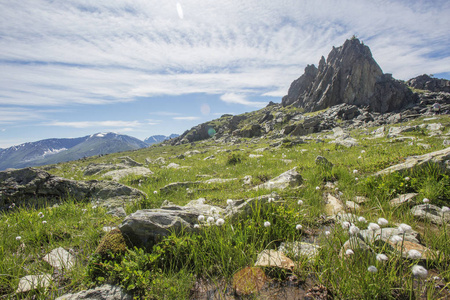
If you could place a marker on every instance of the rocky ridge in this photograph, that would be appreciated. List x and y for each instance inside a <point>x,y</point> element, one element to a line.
<point>348,89</point>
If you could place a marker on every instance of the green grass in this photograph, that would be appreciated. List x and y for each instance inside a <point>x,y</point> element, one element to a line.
<point>173,266</point>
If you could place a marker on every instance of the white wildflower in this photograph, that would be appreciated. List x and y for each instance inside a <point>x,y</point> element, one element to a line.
<point>404,228</point>
<point>201,218</point>
<point>349,252</point>
<point>41,214</point>
<point>298,227</point>
<point>445,209</point>
<point>436,278</point>
<point>414,254</point>
<point>317,188</point>
<point>396,239</point>
<point>382,257</point>
<point>155,192</point>
<point>327,233</point>
<point>213,210</point>
<point>425,200</point>
<point>362,220</point>
<point>419,271</point>
<point>229,202</point>
<point>270,200</point>
<point>18,238</point>
<point>355,171</point>
<point>382,221</point>
<point>356,178</point>
<point>372,269</point>
<point>345,225</point>
<point>373,226</point>
<point>266,224</point>
<point>220,222</point>
<point>354,230</point>
<point>407,179</point>
<point>44,222</point>
<point>363,151</point>
<point>196,226</point>
<point>210,220</point>
<point>300,202</point>
<point>94,206</point>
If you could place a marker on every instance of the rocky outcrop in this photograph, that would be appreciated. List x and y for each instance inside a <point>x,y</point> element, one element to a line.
<point>441,158</point>
<point>104,292</point>
<point>24,186</point>
<point>349,75</point>
<point>426,82</point>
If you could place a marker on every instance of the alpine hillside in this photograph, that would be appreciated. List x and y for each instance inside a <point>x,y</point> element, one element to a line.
<point>52,151</point>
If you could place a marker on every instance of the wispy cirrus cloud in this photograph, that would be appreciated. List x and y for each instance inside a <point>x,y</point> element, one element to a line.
<point>240,99</point>
<point>188,118</point>
<point>87,124</point>
<point>58,53</point>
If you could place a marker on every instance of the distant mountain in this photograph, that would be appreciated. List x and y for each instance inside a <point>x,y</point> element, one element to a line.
<point>155,139</point>
<point>52,151</point>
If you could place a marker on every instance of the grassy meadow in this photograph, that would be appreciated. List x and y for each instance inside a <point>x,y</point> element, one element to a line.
<point>176,266</point>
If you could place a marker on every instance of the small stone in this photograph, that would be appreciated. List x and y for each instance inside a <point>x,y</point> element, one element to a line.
<point>60,258</point>
<point>405,198</point>
<point>273,258</point>
<point>352,205</point>
<point>333,206</point>
<point>32,282</point>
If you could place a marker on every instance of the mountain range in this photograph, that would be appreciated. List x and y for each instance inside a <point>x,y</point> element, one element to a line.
<point>52,151</point>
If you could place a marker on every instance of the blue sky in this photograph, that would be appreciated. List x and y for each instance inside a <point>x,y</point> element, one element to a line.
<point>145,67</point>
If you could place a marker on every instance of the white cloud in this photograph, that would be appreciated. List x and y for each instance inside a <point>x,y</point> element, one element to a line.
<point>65,52</point>
<point>10,115</point>
<point>240,99</point>
<point>87,124</point>
<point>186,118</point>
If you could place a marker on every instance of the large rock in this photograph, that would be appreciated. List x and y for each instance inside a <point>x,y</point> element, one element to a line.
<point>430,213</point>
<point>440,158</point>
<point>104,292</point>
<point>426,82</point>
<point>289,178</point>
<point>116,175</point>
<point>349,75</point>
<point>147,225</point>
<point>24,186</point>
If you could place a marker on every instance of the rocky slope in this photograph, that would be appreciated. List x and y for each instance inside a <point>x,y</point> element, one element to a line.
<point>348,89</point>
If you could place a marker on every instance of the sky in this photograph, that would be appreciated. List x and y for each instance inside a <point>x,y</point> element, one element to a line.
<point>72,68</point>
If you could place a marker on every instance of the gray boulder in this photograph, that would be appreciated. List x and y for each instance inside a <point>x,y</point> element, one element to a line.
<point>430,213</point>
<point>289,178</point>
<point>104,292</point>
<point>24,186</point>
<point>148,225</point>
<point>116,175</point>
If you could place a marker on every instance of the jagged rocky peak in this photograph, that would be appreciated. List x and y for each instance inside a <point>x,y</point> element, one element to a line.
<point>349,75</point>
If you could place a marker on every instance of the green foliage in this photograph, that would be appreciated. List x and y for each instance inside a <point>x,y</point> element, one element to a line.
<point>234,158</point>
